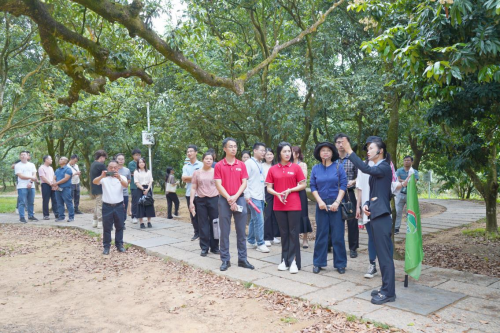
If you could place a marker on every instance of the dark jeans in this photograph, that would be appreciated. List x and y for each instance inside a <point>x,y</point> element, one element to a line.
<point>136,195</point>
<point>289,223</point>
<point>112,215</point>
<point>382,230</point>
<point>75,193</point>
<point>329,223</point>
<point>172,198</point>
<point>48,195</point>
<point>207,210</point>
<point>271,228</point>
<point>240,223</point>
<point>194,219</point>
<point>64,197</point>
<point>125,207</point>
<point>352,224</point>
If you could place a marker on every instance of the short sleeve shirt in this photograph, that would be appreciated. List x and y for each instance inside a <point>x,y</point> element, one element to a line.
<point>187,170</point>
<point>112,190</point>
<point>403,174</point>
<point>47,172</point>
<point>284,177</point>
<point>61,173</point>
<point>27,169</point>
<point>125,172</point>
<point>96,169</point>
<point>132,166</point>
<point>75,179</point>
<point>205,183</point>
<point>231,175</point>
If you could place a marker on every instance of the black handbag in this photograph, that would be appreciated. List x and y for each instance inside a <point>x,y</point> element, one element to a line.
<point>146,200</point>
<point>346,208</point>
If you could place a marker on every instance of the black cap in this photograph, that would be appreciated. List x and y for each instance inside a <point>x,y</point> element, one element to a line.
<point>371,139</point>
<point>330,145</point>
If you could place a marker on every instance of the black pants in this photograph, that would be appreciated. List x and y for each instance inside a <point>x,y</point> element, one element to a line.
<point>207,210</point>
<point>75,194</point>
<point>352,224</point>
<point>125,207</point>
<point>194,219</point>
<point>271,228</point>
<point>112,214</point>
<point>289,224</point>
<point>136,195</point>
<point>382,230</point>
<point>172,198</point>
<point>48,195</point>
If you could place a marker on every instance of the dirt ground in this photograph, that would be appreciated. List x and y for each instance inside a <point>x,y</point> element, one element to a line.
<point>57,280</point>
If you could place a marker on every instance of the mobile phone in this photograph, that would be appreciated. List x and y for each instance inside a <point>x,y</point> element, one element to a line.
<point>240,208</point>
<point>110,173</point>
<point>328,207</point>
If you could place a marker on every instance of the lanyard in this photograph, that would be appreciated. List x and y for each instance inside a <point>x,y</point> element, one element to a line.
<point>258,167</point>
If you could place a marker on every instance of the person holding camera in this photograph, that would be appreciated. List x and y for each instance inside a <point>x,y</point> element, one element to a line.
<point>328,185</point>
<point>231,177</point>
<point>144,182</point>
<point>62,186</point>
<point>285,180</point>
<point>112,205</point>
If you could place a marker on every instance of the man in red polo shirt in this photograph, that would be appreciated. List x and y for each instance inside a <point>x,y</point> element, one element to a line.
<point>231,176</point>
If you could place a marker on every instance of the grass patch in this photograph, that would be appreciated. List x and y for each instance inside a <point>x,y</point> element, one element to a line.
<point>127,246</point>
<point>8,204</point>
<point>92,234</point>
<point>376,324</point>
<point>352,318</point>
<point>247,285</point>
<point>481,232</point>
<point>289,320</point>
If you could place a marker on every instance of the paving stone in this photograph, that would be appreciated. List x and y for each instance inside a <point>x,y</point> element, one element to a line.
<point>170,233</point>
<point>357,277</point>
<point>495,285</point>
<point>337,292</point>
<point>426,280</point>
<point>288,287</point>
<point>155,224</point>
<point>471,289</point>
<point>419,299</point>
<point>478,321</point>
<point>251,253</point>
<point>188,245</point>
<point>172,252</point>
<point>481,280</point>
<point>355,306</point>
<point>156,241</point>
<point>205,263</point>
<point>243,274</point>
<point>314,280</point>
<point>479,305</point>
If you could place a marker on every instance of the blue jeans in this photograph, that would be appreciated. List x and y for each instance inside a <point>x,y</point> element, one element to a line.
<point>329,222</point>
<point>372,253</point>
<point>112,215</point>
<point>256,226</point>
<point>64,197</point>
<point>26,197</point>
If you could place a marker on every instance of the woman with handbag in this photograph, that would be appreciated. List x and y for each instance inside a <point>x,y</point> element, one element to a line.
<point>144,181</point>
<point>328,185</point>
<point>204,201</point>
<point>170,189</point>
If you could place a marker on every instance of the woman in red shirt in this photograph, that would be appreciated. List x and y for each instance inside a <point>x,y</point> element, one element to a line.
<point>284,181</point>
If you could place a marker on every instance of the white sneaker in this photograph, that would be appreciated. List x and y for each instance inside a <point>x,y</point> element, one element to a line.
<point>276,241</point>
<point>251,246</point>
<point>262,248</point>
<point>94,223</point>
<point>267,243</point>
<point>17,211</point>
<point>175,215</point>
<point>134,220</point>
<point>293,268</point>
<point>282,266</point>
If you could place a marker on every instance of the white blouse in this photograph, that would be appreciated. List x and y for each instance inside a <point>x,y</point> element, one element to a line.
<point>143,178</point>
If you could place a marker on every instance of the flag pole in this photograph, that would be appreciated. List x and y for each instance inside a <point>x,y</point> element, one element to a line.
<point>406,281</point>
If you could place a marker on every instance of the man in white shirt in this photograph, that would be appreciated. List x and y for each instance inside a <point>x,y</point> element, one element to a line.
<point>75,182</point>
<point>187,174</point>
<point>112,205</point>
<point>26,177</point>
<point>254,193</point>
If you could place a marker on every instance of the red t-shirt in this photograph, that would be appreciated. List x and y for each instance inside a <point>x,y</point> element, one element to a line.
<point>231,175</point>
<point>284,177</point>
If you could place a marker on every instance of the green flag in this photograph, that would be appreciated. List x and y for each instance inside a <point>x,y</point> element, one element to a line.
<point>414,253</point>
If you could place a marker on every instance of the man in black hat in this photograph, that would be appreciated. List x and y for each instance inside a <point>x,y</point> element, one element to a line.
<point>352,173</point>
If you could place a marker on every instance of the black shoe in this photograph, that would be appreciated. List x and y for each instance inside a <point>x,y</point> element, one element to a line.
<point>121,249</point>
<point>341,270</point>
<point>215,251</point>
<point>150,225</point>
<point>354,254</point>
<point>195,237</point>
<point>32,218</point>
<point>78,212</point>
<point>316,269</point>
<point>170,217</point>
<point>143,226</point>
<point>396,231</point>
<point>375,292</point>
<point>381,299</point>
<point>22,220</point>
<point>245,264</point>
<point>204,253</point>
<point>105,252</point>
<point>225,265</point>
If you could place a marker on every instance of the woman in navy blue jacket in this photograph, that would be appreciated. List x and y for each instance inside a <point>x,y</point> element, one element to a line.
<point>378,210</point>
<point>328,185</point>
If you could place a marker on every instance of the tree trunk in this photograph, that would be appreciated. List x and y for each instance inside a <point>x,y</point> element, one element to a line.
<point>393,131</point>
<point>491,210</point>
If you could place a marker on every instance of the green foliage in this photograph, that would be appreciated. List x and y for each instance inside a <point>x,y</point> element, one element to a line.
<point>481,233</point>
<point>8,204</point>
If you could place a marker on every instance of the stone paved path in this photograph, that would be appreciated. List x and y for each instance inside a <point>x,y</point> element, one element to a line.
<point>442,299</point>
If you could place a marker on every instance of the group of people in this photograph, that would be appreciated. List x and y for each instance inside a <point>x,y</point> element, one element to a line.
<point>268,188</point>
